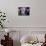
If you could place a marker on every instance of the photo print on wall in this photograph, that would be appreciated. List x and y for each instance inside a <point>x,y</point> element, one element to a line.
<point>23,11</point>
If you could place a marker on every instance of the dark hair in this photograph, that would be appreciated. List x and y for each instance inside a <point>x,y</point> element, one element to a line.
<point>27,7</point>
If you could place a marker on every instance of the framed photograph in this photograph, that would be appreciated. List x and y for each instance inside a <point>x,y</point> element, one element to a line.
<point>23,11</point>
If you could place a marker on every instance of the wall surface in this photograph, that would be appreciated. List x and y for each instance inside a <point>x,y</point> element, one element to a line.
<point>36,19</point>
<point>25,24</point>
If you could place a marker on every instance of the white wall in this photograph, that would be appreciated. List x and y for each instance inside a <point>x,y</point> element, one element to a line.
<point>34,22</point>
<point>37,19</point>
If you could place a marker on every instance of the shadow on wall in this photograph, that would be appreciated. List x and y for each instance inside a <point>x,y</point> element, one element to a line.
<point>16,43</point>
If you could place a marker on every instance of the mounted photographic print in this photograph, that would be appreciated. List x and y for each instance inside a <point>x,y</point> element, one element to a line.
<point>23,11</point>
